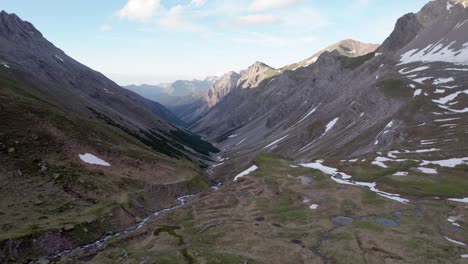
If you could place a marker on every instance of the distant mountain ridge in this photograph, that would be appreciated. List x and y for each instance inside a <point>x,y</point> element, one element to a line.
<point>358,90</point>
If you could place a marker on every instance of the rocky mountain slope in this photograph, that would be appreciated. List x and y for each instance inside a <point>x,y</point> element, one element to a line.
<point>345,160</point>
<point>222,87</point>
<point>339,105</point>
<point>81,156</point>
<point>253,77</point>
<point>177,96</point>
<point>353,158</point>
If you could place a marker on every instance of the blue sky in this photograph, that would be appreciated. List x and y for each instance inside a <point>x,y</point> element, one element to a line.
<point>153,41</point>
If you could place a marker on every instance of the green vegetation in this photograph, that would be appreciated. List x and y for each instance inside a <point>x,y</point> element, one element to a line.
<point>193,141</point>
<point>424,185</point>
<point>395,88</point>
<point>370,226</point>
<point>354,62</point>
<point>371,198</point>
<point>285,210</point>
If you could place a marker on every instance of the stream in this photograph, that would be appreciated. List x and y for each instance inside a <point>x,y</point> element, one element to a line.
<point>101,243</point>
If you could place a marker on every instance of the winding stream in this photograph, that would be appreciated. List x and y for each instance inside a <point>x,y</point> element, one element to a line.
<point>101,243</point>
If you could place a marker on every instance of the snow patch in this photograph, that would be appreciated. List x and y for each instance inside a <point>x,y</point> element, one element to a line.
<point>417,92</point>
<point>308,114</point>
<point>402,71</point>
<point>314,206</point>
<point>455,242</point>
<point>433,53</point>
<point>275,142</point>
<point>463,200</point>
<point>246,172</point>
<point>58,57</point>
<point>450,163</point>
<point>443,80</point>
<point>427,170</point>
<point>92,159</point>
<point>330,125</point>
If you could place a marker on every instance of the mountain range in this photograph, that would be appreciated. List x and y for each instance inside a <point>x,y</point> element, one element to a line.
<point>357,154</point>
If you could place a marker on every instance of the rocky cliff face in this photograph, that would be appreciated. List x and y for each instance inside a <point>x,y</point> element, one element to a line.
<point>222,87</point>
<point>348,48</point>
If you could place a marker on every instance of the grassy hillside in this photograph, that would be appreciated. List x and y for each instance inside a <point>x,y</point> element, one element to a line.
<point>47,191</point>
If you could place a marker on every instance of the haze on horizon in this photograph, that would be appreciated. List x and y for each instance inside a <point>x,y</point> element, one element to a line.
<point>159,41</point>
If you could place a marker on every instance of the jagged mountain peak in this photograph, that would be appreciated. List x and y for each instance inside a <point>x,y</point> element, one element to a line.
<point>259,65</point>
<point>221,88</point>
<point>346,47</point>
<point>256,73</point>
<point>12,26</point>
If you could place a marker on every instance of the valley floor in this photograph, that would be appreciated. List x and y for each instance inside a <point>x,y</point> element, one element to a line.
<point>282,213</point>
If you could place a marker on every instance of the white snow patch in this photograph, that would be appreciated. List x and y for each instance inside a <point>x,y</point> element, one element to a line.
<point>443,80</point>
<point>427,170</point>
<point>330,125</point>
<point>58,57</point>
<point>246,172</point>
<point>423,150</point>
<point>92,159</point>
<point>343,178</point>
<point>464,110</point>
<point>275,142</point>
<point>449,98</point>
<point>449,6</point>
<point>455,242</point>
<point>417,92</point>
<point>401,174</point>
<point>325,169</point>
<point>464,256</point>
<point>463,200</point>
<point>421,80</point>
<point>233,136</point>
<point>450,163</point>
<point>439,91</point>
<point>313,206</point>
<point>402,71</point>
<point>447,119</point>
<point>457,69</point>
<point>433,53</point>
<point>240,142</point>
<point>308,114</point>
<point>6,65</point>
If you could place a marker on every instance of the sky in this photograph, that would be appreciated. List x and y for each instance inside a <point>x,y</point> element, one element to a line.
<point>160,41</point>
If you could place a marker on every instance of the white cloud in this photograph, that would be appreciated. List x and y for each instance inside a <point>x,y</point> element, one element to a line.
<point>105,28</point>
<point>198,2</point>
<point>139,9</point>
<point>177,18</point>
<point>260,5</point>
<point>255,20</point>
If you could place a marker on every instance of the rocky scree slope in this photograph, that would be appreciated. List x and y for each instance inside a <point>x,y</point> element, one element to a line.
<point>411,88</point>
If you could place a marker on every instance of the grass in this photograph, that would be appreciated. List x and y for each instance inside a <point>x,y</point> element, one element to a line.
<point>39,200</point>
<point>446,186</point>
<point>369,226</point>
<point>371,198</point>
<point>395,88</point>
<point>354,62</point>
<point>285,210</point>
<point>369,172</point>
